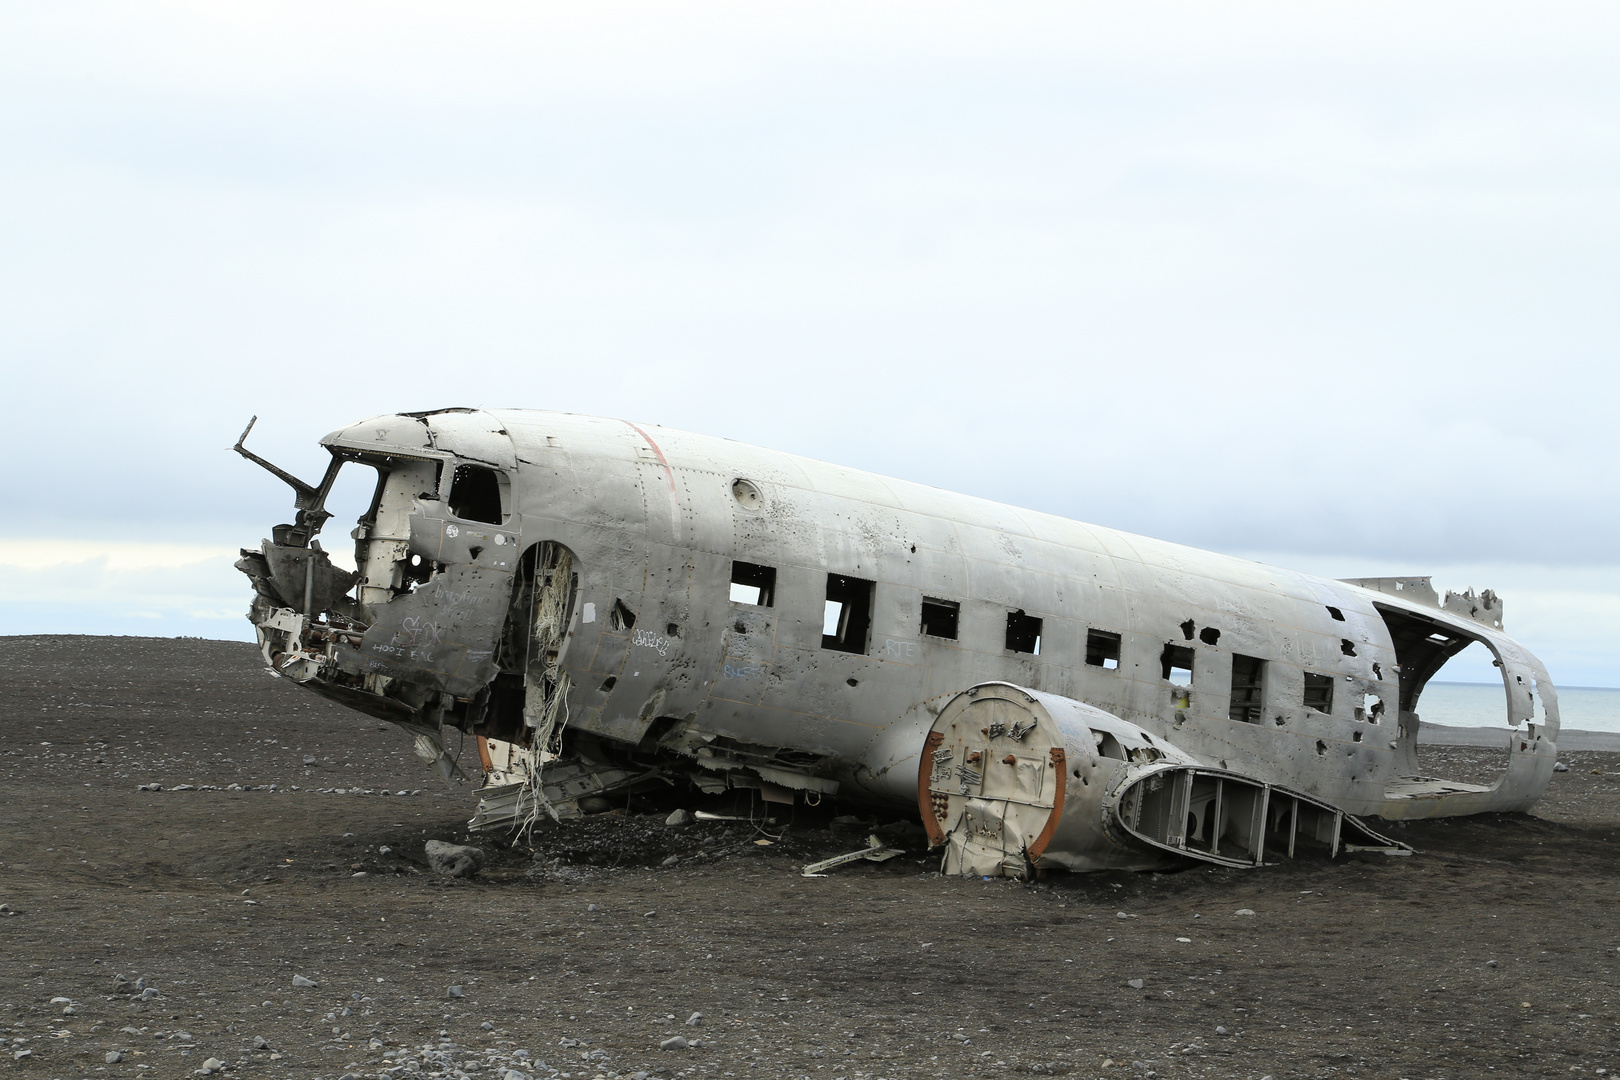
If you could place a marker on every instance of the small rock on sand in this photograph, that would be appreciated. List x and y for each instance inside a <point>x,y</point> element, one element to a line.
<point>299,980</point>
<point>674,1042</point>
<point>454,860</point>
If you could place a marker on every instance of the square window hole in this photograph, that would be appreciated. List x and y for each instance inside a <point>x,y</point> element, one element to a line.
<point>1176,665</point>
<point>939,617</point>
<point>1023,633</point>
<point>753,584</point>
<point>1102,649</point>
<point>1319,692</point>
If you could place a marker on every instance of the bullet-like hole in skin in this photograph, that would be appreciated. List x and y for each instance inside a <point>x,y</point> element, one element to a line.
<point>740,627</point>
<point>1321,747</point>
<point>1355,737</point>
<point>475,552</point>
<point>672,630</point>
<point>853,681</point>
<point>609,682</point>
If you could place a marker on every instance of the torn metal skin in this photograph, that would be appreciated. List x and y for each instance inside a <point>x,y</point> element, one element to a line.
<point>604,606</point>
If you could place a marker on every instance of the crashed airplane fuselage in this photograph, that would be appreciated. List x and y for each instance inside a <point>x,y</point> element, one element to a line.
<point>601,603</point>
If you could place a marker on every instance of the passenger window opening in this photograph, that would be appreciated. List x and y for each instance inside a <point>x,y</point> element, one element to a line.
<point>1318,692</point>
<point>475,495</point>
<point>847,618</point>
<point>753,584</point>
<point>1176,664</point>
<point>1102,649</point>
<point>1248,689</point>
<point>1023,632</point>
<point>939,617</point>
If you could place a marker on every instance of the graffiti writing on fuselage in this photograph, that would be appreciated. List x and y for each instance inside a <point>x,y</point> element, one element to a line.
<point>649,640</point>
<point>416,631</point>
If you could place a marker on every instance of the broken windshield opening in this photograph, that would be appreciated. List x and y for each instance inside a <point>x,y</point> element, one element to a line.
<point>352,502</point>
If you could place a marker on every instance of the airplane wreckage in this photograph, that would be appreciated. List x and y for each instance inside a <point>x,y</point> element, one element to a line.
<point>605,606</point>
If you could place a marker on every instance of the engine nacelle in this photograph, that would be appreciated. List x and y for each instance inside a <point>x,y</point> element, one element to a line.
<point>1013,780</point>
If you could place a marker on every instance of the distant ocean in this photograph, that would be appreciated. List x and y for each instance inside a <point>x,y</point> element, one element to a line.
<point>1580,708</point>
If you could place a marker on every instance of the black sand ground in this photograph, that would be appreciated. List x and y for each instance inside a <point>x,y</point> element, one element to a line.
<point>1492,951</point>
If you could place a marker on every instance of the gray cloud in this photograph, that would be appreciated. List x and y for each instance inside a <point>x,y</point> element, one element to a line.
<point>1261,280</point>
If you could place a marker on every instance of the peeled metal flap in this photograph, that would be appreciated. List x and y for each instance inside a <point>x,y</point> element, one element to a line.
<point>443,634</point>
<point>297,573</point>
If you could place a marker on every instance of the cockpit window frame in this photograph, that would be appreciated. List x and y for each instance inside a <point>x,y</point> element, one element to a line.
<point>503,491</point>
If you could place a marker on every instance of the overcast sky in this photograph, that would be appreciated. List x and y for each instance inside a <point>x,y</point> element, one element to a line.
<point>1332,286</point>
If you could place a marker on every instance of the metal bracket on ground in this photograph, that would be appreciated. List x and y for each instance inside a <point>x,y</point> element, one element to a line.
<point>875,851</point>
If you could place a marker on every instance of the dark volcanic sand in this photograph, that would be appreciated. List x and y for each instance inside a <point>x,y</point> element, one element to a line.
<point>1368,966</point>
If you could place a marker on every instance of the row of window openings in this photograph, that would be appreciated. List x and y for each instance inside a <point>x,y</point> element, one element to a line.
<point>847,618</point>
<point>475,495</point>
<point>1247,699</point>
